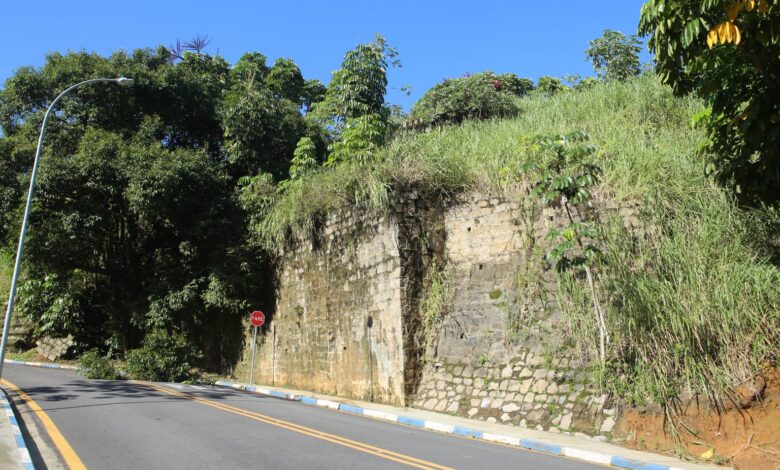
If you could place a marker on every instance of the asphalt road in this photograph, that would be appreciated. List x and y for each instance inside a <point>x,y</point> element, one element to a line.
<point>129,425</point>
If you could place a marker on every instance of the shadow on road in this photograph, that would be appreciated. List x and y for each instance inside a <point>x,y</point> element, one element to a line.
<point>121,392</point>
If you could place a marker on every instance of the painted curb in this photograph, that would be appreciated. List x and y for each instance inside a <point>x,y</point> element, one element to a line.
<point>46,365</point>
<point>538,446</point>
<point>23,452</point>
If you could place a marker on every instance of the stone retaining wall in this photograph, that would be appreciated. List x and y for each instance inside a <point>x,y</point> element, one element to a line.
<point>500,352</point>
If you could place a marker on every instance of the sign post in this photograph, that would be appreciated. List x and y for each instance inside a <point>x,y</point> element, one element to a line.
<point>257,319</point>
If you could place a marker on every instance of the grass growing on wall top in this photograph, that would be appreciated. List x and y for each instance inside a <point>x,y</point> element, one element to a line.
<point>643,132</point>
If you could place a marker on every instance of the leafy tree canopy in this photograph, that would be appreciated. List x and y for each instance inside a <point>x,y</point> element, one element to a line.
<point>137,191</point>
<point>615,56</point>
<point>479,96</point>
<point>728,52</point>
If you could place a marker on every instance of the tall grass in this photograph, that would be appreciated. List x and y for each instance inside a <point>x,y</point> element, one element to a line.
<point>643,132</point>
<point>696,306</point>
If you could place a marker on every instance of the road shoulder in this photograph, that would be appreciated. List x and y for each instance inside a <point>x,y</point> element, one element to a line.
<point>13,446</point>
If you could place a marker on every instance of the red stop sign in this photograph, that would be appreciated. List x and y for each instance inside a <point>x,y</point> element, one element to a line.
<point>257,318</point>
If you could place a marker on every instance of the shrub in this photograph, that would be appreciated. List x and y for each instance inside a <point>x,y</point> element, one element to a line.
<point>549,85</point>
<point>479,96</point>
<point>93,365</point>
<point>163,357</point>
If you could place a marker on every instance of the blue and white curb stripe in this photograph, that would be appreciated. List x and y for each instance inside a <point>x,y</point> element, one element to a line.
<point>539,446</point>
<point>47,365</point>
<point>23,452</point>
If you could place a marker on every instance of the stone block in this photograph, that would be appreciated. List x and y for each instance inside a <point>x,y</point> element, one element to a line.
<point>607,425</point>
<point>510,408</point>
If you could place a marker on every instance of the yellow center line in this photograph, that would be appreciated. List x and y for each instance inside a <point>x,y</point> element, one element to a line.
<point>359,446</point>
<point>72,460</point>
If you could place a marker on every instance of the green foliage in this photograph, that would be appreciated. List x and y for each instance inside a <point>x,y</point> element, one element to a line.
<point>361,139</point>
<point>304,158</point>
<point>516,85</point>
<point>262,124</point>
<point>695,301</point>
<point>134,204</point>
<point>48,301</point>
<point>358,87</point>
<point>93,365</point>
<point>678,302</point>
<point>250,67</point>
<point>738,81</point>
<point>614,56</point>
<point>313,92</point>
<point>549,85</point>
<point>434,307</point>
<point>585,83</point>
<point>285,80</point>
<point>566,177</point>
<point>163,357</point>
<point>639,123</point>
<point>480,96</point>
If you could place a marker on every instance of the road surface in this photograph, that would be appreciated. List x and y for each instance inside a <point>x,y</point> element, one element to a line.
<point>131,425</point>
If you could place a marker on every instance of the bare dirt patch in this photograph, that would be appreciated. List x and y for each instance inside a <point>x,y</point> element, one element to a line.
<point>746,436</point>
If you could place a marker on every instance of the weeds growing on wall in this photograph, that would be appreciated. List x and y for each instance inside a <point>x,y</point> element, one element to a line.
<point>434,308</point>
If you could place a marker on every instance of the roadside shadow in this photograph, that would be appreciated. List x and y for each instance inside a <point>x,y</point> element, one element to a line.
<point>32,446</point>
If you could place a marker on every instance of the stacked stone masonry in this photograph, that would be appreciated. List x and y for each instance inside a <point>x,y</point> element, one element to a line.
<point>500,353</point>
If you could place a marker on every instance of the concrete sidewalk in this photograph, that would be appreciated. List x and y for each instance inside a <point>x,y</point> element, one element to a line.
<point>13,449</point>
<point>579,448</point>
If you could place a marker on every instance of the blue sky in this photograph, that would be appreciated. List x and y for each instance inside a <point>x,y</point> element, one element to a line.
<point>435,39</point>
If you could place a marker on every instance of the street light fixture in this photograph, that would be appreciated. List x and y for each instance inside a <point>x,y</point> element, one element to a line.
<point>123,81</point>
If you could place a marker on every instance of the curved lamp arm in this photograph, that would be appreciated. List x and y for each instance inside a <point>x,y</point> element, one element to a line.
<point>12,294</point>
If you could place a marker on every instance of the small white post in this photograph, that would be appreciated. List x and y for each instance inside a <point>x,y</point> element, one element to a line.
<point>252,367</point>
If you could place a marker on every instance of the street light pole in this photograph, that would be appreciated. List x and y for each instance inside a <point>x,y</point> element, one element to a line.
<point>12,294</point>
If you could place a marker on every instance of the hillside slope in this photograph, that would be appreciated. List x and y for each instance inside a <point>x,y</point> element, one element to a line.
<point>692,307</point>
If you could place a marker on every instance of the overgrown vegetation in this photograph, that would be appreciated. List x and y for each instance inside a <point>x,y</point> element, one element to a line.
<point>93,365</point>
<point>168,199</point>
<point>643,128</point>
<point>434,307</point>
<point>478,96</point>
<point>728,52</point>
<point>704,295</point>
<point>163,357</point>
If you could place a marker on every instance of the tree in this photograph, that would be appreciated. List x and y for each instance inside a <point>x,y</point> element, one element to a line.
<point>261,129</point>
<point>614,56</point>
<point>479,96</point>
<point>285,80</point>
<point>355,101</point>
<point>563,174</point>
<point>358,88</point>
<point>729,53</point>
<point>136,200</point>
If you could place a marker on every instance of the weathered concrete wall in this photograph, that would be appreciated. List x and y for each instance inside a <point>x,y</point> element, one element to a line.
<point>329,291</point>
<point>500,352</point>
